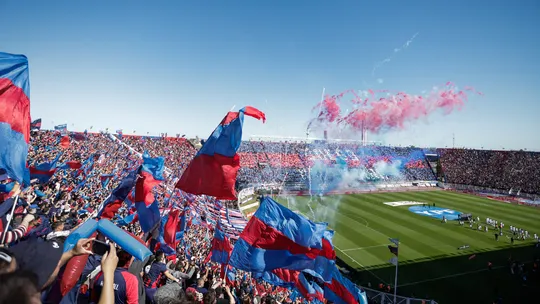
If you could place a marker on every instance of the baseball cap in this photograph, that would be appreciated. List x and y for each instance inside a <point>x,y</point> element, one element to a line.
<point>38,256</point>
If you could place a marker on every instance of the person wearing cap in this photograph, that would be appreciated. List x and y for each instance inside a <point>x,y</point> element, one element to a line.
<point>45,258</point>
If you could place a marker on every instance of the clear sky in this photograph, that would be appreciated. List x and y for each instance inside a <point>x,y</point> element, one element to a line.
<point>179,66</point>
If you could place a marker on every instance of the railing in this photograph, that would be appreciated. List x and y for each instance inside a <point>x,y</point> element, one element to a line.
<point>379,297</point>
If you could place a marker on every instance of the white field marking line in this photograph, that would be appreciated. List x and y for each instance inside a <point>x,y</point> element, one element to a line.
<point>352,259</point>
<point>367,226</point>
<point>362,248</point>
<point>450,276</point>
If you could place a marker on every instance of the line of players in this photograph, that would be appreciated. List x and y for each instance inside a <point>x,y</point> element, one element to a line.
<point>515,232</point>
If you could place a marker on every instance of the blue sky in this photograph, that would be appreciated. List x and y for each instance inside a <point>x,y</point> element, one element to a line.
<point>179,66</point>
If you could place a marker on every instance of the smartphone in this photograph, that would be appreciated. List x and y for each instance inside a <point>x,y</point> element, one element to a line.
<point>100,247</point>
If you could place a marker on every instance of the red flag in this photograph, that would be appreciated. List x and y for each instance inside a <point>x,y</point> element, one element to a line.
<point>64,142</point>
<point>255,113</point>
<point>169,233</point>
<point>143,188</point>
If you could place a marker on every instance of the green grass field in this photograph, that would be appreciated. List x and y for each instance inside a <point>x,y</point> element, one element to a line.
<point>430,264</point>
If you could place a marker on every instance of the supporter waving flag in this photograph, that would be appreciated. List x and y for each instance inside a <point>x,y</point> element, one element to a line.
<point>214,168</point>
<point>36,124</point>
<point>71,165</point>
<point>150,175</point>
<point>14,115</point>
<point>309,290</point>
<point>44,171</point>
<point>62,129</point>
<point>148,216</point>
<point>342,291</point>
<point>275,237</point>
<point>105,179</point>
<point>65,142</point>
<point>182,223</point>
<point>221,247</point>
<point>169,231</point>
<point>114,201</point>
<point>279,277</point>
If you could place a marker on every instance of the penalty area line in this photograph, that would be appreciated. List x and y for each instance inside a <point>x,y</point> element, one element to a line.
<point>362,248</point>
<point>354,261</point>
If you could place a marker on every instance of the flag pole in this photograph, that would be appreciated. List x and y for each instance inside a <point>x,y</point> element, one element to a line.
<point>396,276</point>
<point>10,219</point>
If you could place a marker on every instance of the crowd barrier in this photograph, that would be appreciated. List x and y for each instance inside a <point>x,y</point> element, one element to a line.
<point>379,297</point>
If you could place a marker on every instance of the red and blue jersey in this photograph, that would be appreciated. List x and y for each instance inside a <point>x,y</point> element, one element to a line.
<point>126,287</point>
<point>154,275</point>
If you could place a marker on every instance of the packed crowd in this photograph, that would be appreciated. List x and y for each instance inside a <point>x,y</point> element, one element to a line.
<point>288,162</point>
<point>177,151</point>
<point>85,168</point>
<point>504,170</point>
<point>33,265</point>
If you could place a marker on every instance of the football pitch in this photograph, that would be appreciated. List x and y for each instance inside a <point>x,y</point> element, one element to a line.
<point>431,265</point>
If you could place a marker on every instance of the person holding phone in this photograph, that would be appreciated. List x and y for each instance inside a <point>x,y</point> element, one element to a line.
<point>125,284</point>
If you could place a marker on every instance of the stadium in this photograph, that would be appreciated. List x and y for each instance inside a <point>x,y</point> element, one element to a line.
<point>410,205</point>
<point>375,204</point>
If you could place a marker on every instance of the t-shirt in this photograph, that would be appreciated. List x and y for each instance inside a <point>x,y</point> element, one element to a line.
<point>126,287</point>
<point>153,277</point>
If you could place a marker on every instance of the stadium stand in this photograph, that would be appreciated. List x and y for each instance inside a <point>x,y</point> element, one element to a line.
<point>503,170</point>
<point>288,162</point>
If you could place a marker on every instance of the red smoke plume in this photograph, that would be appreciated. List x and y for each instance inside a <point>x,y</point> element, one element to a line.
<point>381,110</point>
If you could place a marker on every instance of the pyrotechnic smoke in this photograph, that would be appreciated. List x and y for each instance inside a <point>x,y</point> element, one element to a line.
<point>382,110</point>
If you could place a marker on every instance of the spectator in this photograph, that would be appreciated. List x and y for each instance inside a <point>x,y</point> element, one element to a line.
<point>125,284</point>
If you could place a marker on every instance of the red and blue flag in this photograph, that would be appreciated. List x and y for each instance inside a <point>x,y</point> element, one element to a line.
<point>148,215</point>
<point>214,169</point>
<point>221,247</point>
<point>105,179</point>
<point>150,175</point>
<point>14,115</point>
<point>309,290</point>
<point>44,171</point>
<point>279,277</point>
<point>119,194</point>
<point>36,124</point>
<point>276,237</point>
<point>342,291</point>
<point>71,165</point>
<point>62,129</point>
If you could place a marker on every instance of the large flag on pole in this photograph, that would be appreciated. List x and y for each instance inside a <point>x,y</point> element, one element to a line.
<point>14,115</point>
<point>213,170</point>
<point>275,237</point>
